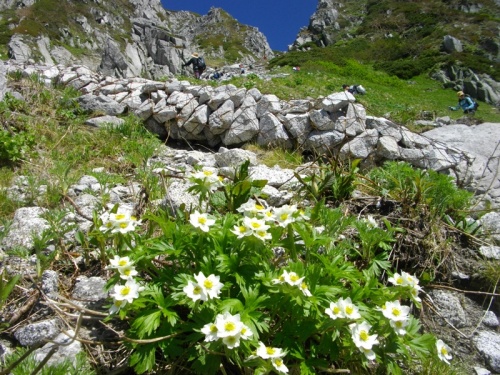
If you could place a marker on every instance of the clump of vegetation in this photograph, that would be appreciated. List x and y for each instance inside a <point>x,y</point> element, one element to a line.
<point>235,285</point>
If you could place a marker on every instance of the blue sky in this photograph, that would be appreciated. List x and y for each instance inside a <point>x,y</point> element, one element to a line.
<point>278,20</point>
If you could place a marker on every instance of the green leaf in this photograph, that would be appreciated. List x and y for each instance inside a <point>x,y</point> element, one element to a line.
<point>143,358</point>
<point>147,323</point>
<point>6,288</point>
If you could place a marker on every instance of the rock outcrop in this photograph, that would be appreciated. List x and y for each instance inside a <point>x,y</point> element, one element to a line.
<point>229,116</point>
<point>138,39</point>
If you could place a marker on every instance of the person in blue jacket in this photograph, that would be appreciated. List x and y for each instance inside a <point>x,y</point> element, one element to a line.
<point>464,102</point>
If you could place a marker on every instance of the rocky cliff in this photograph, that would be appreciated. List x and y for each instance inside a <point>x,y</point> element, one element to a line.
<point>123,38</point>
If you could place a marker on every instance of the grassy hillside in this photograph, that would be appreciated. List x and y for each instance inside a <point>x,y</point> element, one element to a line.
<point>399,99</point>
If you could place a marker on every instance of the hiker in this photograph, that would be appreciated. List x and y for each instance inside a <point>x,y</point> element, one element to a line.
<point>465,102</point>
<point>198,64</point>
<point>216,75</point>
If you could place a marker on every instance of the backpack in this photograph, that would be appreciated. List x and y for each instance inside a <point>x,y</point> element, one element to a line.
<point>201,63</point>
<point>476,104</point>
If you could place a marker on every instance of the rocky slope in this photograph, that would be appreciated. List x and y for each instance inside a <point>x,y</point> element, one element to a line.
<point>124,38</point>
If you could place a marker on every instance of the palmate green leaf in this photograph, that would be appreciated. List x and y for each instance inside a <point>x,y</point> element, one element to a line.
<point>147,323</point>
<point>232,305</point>
<point>143,358</point>
<point>422,345</point>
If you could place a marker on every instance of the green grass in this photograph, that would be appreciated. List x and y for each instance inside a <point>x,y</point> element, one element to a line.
<point>401,100</point>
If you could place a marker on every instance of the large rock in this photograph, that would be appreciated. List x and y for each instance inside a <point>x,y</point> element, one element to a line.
<point>481,141</point>
<point>27,224</point>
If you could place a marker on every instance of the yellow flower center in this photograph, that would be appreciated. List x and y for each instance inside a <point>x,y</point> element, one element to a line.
<point>444,351</point>
<point>208,173</point>
<point>127,271</point>
<point>399,280</point>
<point>294,277</point>
<point>213,328</point>
<point>398,323</point>
<point>363,335</point>
<point>122,262</point>
<point>123,225</point>
<point>208,284</point>
<point>243,330</point>
<point>349,310</point>
<point>120,216</point>
<point>242,229</point>
<point>202,220</point>
<point>336,310</point>
<point>283,217</point>
<point>125,291</point>
<point>259,207</point>
<point>395,311</point>
<point>197,290</point>
<point>229,326</point>
<point>255,225</point>
<point>278,362</point>
<point>270,350</point>
<point>303,286</point>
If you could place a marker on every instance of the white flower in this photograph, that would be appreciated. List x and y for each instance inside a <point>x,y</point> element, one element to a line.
<point>349,309</point>
<point>231,341</point>
<point>127,292</point>
<point>241,231</point>
<point>414,293</point>
<point>443,351</point>
<point>266,352</point>
<point>394,311</point>
<point>335,311</point>
<point>396,279</point>
<point>263,235</point>
<point>246,333</point>
<point>228,325</point>
<point>361,337</point>
<point>399,326</point>
<point>210,331</point>
<point>369,354</point>
<point>292,278</point>
<point>279,280</point>
<point>120,262</point>
<point>279,365</point>
<point>201,221</point>
<point>122,221</point>
<point>254,224</point>
<point>252,208</point>
<point>320,229</point>
<point>409,279</point>
<point>127,272</point>
<point>209,177</point>
<point>303,215</point>
<point>117,305</point>
<point>371,222</point>
<point>305,289</point>
<point>211,285</point>
<point>194,291</point>
<point>284,215</point>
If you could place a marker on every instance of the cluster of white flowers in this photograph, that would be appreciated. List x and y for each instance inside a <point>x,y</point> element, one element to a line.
<point>343,309</point>
<point>291,278</point>
<point>124,294</point>
<point>120,222</point>
<point>204,288</point>
<point>201,220</point>
<point>208,177</point>
<point>275,355</point>
<point>257,219</point>
<point>405,279</point>
<point>229,328</point>
<point>398,316</point>
<point>362,339</point>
